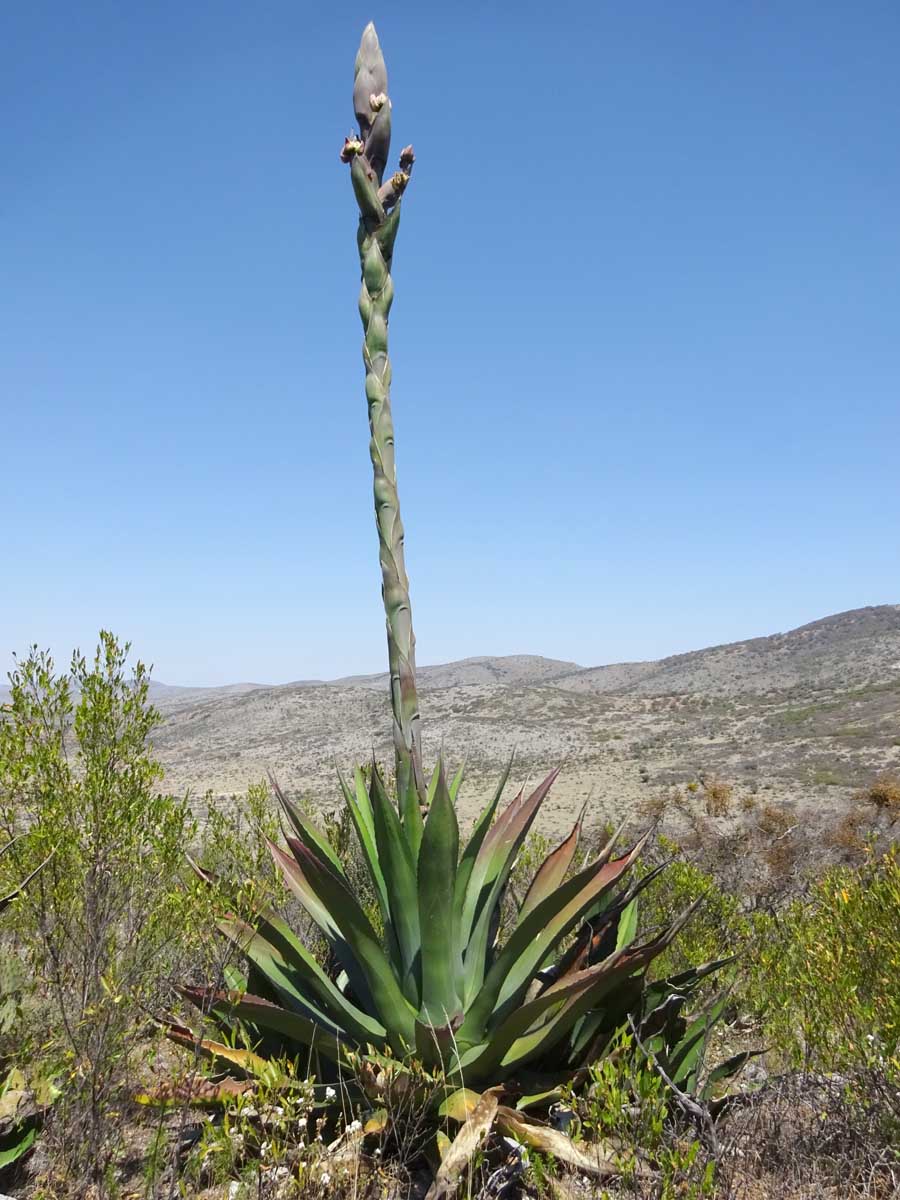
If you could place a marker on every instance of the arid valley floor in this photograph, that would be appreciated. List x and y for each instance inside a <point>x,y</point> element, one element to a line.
<point>800,720</point>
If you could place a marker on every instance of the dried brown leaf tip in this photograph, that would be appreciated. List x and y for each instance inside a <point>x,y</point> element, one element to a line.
<point>195,1090</point>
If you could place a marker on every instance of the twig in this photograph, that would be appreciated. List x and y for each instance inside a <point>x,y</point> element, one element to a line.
<point>699,1112</point>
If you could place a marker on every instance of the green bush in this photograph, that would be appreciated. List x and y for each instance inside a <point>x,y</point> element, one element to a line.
<point>718,926</point>
<point>626,1110</point>
<point>234,843</point>
<point>825,970</point>
<point>102,925</point>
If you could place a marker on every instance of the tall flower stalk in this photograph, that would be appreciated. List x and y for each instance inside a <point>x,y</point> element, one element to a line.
<point>379,218</point>
<point>430,1001</point>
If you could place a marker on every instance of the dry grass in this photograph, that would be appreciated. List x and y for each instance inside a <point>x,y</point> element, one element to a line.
<point>884,792</point>
<point>800,1139</point>
<point>772,822</point>
<point>717,795</point>
<point>846,837</point>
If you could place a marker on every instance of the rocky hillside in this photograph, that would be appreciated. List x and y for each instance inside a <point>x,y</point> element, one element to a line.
<point>805,717</point>
<point>849,649</point>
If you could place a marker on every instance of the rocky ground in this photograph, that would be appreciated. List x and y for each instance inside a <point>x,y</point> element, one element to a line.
<point>799,720</point>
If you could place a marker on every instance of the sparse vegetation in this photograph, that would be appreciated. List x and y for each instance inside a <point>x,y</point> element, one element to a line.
<point>374,1011</point>
<point>99,925</point>
<point>884,792</point>
<point>717,795</point>
<point>814,976</point>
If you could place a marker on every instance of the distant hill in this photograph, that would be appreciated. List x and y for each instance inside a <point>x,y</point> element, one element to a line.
<point>170,695</point>
<point>819,703</point>
<point>849,648</point>
<point>512,668</point>
<point>804,716</point>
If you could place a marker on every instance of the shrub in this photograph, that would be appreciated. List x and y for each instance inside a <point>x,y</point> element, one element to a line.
<point>825,971</point>
<point>717,923</point>
<point>234,842</point>
<point>626,1108</point>
<point>846,838</point>
<point>102,922</point>
<point>717,795</point>
<point>884,792</point>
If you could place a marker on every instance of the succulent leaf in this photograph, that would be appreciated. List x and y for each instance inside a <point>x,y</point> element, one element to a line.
<point>541,930</point>
<point>221,1055</point>
<point>470,854</point>
<point>286,964</point>
<point>553,870</point>
<point>441,962</point>
<point>726,1070</point>
<point>357,801</point>
<point>490,872</point>
<point>411,815</point>
<point>263,1014</point>
<point>396,860</point>
<point>306,829</point>
<point>395,1011</point>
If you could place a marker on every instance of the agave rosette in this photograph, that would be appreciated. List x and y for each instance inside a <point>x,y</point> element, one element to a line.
<point>435,984</point>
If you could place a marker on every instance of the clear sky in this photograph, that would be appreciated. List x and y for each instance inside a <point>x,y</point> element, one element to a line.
<point>646,336</point>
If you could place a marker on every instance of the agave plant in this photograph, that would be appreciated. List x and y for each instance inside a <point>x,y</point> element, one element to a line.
<point>427,979</point>
<point>424,978</point>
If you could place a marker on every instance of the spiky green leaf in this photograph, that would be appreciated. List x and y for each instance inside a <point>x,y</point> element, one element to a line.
<point>438,855</point>
<point>395,857</point>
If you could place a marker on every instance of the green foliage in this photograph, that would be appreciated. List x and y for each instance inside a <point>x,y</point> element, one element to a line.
<point>100,923</point>
<point>433,983</point>
<point>234,847</point>
<point>717,923</point>
<point>17,1135</point>
<point>824,972</point>
<point>626,1108</point>
<point>277,1134</point>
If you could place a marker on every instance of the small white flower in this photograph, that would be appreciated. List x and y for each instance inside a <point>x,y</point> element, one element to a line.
<point>325,1178</point>
<point>354,1126</point>
<point>330,1093</point>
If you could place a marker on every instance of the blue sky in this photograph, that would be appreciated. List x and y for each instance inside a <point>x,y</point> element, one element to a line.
<point>645,336</point>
